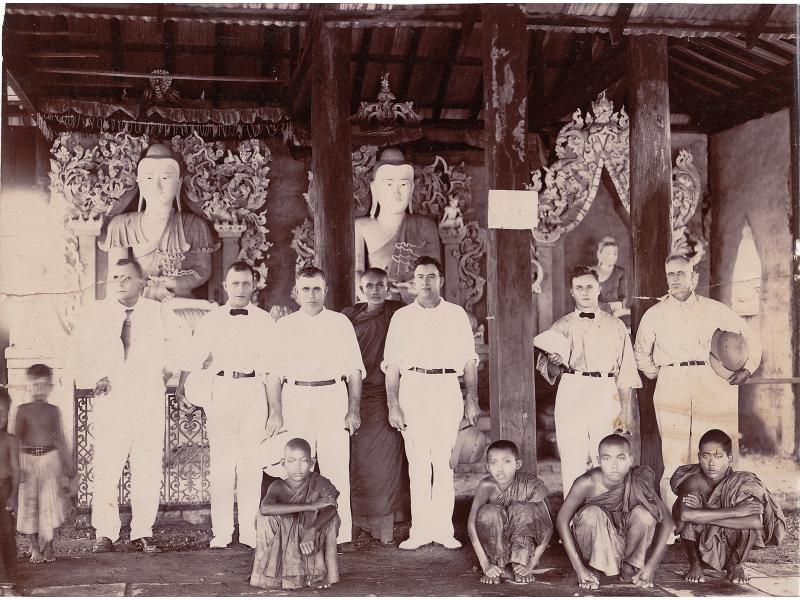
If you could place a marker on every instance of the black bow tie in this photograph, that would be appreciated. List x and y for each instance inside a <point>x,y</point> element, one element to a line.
<point>238,311</point>
<point>584,315</point>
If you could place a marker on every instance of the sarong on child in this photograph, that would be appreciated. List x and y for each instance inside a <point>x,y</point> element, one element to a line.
<point>618,526</point>
<point>278,562</point>
<point>510,528</point>
<point>719,545</point>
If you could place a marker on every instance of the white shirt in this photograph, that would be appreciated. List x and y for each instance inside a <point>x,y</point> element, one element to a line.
<point>600,345</point>
<point>673,331</point>
<point>158,341</point>
<point>318,347</point>
<point>243,343</point>
<point>429,338</point>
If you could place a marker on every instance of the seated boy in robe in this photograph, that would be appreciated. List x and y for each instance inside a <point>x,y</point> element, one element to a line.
<point>610,517</point>
<point>509,522</point>
<point>721,514</point>
<point>297,526</point>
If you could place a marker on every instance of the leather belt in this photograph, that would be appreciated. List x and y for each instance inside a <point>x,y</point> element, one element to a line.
<point>314,383</point>
<point>432,371</point>
<point>589,373</point>
<point>237,374</point>
<point>37,450</point>
<point>688,363</point>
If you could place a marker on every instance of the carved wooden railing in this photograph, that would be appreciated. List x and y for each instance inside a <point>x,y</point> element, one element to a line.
<point>186,457</point>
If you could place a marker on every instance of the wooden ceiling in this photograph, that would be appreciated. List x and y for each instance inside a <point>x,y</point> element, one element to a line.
<point>728,63</point>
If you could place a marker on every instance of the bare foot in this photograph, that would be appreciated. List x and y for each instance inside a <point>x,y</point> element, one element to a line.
<point>490,580</point>
<point>522,574</point>
<point>737,575</point>
<point>626,573</point>
<point>695,574</point>
<point>36,556</point>
<point>47,552</point>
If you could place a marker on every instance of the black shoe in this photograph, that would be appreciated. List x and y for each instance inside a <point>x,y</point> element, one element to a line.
<point>148,545</point>
<point>103,544</point>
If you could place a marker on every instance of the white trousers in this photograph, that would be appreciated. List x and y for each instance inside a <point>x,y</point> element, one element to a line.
<point>317,414</point>
<point>236,420</point>
<point>689,401</point>
<point>433,407</point>
<point>127,428</point>
<point>584,413</point>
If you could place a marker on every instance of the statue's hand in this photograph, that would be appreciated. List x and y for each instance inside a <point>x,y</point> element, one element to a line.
<point>159,288</point>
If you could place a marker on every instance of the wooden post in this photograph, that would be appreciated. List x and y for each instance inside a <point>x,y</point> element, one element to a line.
<point>511,317</point>
<point>332,164</point>
<point>794,166</point>
<point>651,202</point>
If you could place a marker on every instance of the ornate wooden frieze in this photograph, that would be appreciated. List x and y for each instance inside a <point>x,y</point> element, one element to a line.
<point>230,190</point>
<point>386,112</point>
<point>590,143</point>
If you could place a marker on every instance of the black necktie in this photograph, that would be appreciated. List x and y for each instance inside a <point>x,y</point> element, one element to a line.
<point>125,335</point>
<point>238,311</point>
<point>584,315</point>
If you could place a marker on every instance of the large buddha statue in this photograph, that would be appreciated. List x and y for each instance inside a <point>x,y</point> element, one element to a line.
<point>391,237</point>
<point>173,248</point>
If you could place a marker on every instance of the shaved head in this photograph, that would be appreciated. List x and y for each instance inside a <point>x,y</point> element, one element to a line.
<point>299,444</point>
<point>615,440</point>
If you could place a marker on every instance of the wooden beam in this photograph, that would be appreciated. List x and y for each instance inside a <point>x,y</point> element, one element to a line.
<point>219,62</point>
<point>511,324</point>
<point>717,68</point>
<point>177,77</point>
<point>361,66</point>
<point>297,94</point>
<point>446,72</point>
<point>619,22</point>
<point>13,83</point>
<point>723,57</point>
<point>168,37</point>
<point>583,86</point>
<point>331,163</point>
<point>536,68</point>
<point>763,15</point>
<point>411,60</point>
<point>650,202</point>
<point>48,55</point>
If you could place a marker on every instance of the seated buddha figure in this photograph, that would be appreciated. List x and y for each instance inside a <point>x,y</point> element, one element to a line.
<point>173,248</point>
<point>391,237</point>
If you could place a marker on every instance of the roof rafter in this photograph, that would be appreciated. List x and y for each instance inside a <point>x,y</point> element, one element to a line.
<point>446,72</point>
<point>763,15</point>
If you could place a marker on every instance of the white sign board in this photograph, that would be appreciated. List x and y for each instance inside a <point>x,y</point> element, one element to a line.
<point>513,209</point>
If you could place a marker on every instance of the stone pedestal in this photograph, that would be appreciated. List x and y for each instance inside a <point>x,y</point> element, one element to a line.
<point>230,234</point>
<point>87,233</point>
<point>451,240</point>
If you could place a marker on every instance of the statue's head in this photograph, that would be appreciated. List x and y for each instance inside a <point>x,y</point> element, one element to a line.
<point>159,178</point>
<point>392,183</point>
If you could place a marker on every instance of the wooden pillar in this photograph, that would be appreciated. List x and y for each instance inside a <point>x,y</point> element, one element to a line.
<point>511,317</point>
<point>651,202</point>
<point>331,163</point>
<point>794,166</point>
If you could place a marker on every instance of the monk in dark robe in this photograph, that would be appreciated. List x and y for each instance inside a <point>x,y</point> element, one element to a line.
<point>610,518</point>
<point>722,514</point>
<point>296,527</point>
<point>509,522</point>
<point>378,482</point>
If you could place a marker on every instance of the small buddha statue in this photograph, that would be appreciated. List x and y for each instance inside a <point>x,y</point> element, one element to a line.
<point>392,237</point>
<point>173,248</point>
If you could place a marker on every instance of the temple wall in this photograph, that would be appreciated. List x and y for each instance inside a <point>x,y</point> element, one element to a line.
<point>749,175</point>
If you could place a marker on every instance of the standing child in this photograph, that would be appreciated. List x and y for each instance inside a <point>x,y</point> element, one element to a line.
<point>610,517</point>
<point>45,466</point>
<point>509,522</point>
<point>297,526</point>
<point>9,482</point>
